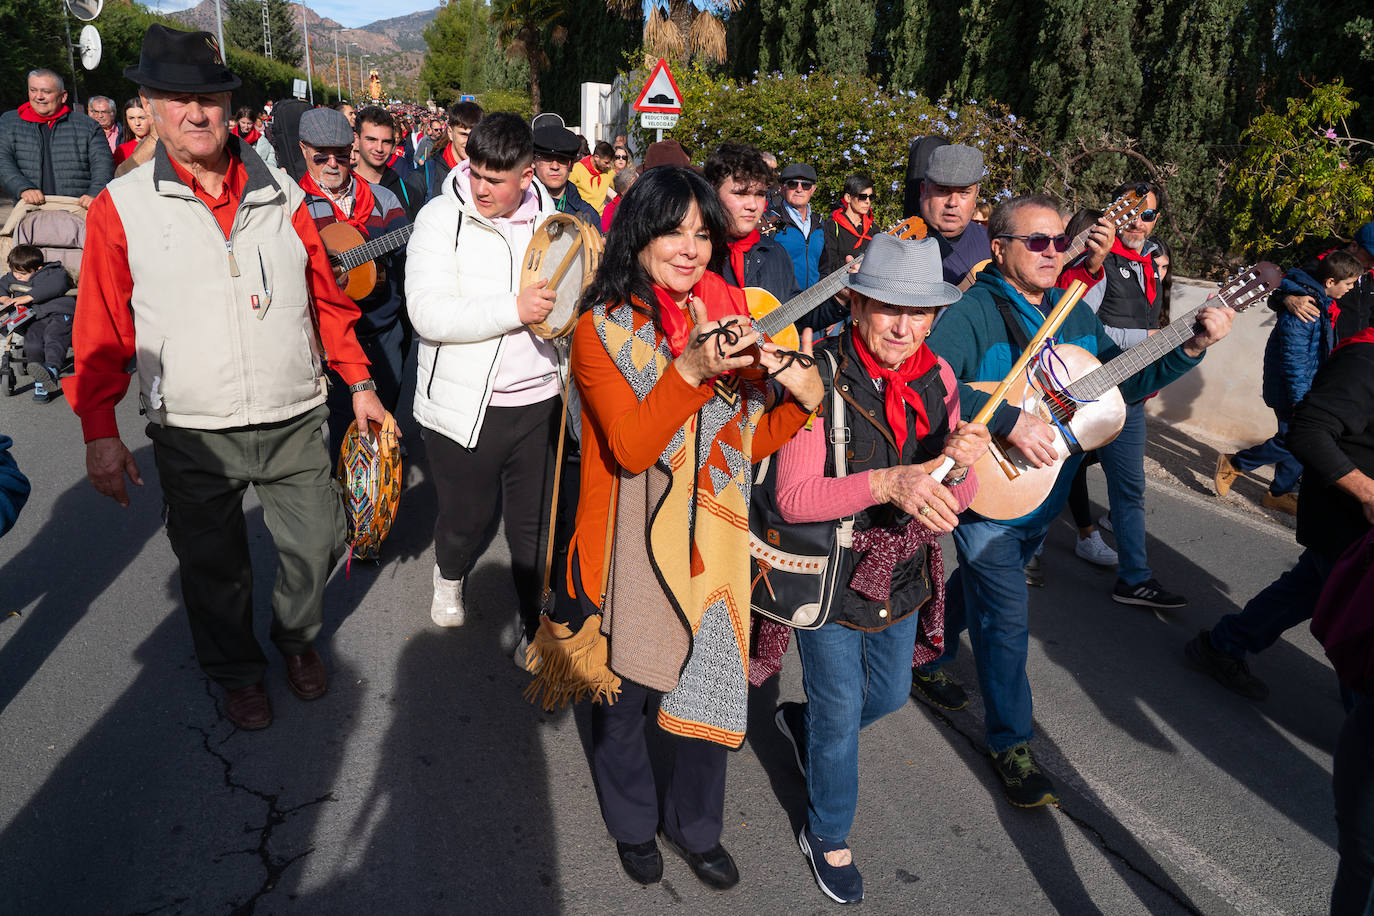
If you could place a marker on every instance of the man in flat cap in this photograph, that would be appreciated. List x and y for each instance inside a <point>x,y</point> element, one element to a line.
<point>554,150</point>
<point>949,195</point>
<point>200,270</point>
<point>799,226</point>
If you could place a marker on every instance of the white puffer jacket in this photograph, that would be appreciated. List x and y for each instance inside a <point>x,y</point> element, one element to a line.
<point>461,280</point>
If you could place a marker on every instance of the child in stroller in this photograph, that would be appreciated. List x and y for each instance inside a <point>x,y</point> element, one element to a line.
<point>36,292</point>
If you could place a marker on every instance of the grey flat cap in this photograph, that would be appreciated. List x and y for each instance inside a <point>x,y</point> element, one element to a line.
<point>797,170</point>
<point>955,166</point>
<point>903,272</point>
<point>325,128</point>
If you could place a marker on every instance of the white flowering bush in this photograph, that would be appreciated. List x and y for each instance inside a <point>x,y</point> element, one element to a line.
<point>845,125</point>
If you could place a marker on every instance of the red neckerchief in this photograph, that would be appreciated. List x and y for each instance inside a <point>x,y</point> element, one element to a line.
<point>591,167</point>
<point>363,201</point>
<point>737,249</point>
<point>27,113</point>
<point>711,291</point>
<point>896,390</point>
<point>450,157</point>
<point>1147,263</point>
<point>860,235</point>
<point>252,137</point>
<point>1365,336</point>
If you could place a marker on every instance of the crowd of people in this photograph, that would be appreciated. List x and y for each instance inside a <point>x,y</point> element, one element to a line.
<point>870,424</point>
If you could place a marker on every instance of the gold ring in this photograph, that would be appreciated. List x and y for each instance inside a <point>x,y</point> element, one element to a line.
<point>925,510</point>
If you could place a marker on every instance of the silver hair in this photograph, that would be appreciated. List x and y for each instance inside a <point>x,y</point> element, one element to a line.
<point>43,71</point>
<point>114,109</point>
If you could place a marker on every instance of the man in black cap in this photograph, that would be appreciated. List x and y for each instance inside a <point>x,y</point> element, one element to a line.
<point>799,227</point>
<point>949,195</point>
<point>201,269</point>
<point>554,150</point>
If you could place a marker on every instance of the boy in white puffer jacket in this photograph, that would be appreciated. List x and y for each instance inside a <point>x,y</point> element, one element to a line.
<point>486,389</point>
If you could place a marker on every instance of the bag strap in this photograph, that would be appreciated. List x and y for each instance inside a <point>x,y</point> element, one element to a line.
<point>839,441</point>
<point>1018,333</point>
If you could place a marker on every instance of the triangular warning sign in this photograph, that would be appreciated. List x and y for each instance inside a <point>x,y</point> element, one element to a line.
<point>660,93</point>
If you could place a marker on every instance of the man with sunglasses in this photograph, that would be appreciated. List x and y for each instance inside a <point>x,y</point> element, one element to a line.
<point>1124,292</point>
<point>949,195</point>
<point>333,193</point>
<point>554,150</point>
<point>981,338</point>
<point>799,228</point>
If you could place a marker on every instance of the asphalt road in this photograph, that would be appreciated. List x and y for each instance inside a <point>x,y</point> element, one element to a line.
<point>424,783</point>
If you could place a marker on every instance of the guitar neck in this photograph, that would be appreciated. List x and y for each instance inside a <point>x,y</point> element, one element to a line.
<point>1078,246</point>
<point>805,301</point>
<point>373,249</point>
<point>1148,351</point>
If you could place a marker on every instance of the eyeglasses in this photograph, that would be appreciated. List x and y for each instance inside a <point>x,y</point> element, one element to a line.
<point>1148,216</point>
<point>868,196</point>
<point>1038,241</point>
<point>322,158</point>
<point>798,184</point>
<point>622,158</point>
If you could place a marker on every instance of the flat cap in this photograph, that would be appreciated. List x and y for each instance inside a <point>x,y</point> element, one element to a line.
<point>797,170</point>
<point>325,128</point>
<point>955,166</point>
<point>552,140</point>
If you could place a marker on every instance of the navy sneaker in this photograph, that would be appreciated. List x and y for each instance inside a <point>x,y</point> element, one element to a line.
<point>789,720</point>
<point>1147,594</point>
<point>841,883</point>
<point>937,689</point>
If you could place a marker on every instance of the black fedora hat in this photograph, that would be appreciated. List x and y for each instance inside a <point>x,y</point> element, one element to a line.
<point>176,61</point>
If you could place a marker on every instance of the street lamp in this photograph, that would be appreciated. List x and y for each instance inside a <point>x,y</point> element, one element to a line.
<point>337,84</point>
<point>348,66</point>
<point>309,76</point>
<point>362,84</point>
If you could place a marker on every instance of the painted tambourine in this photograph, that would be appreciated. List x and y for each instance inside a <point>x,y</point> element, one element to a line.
<point>372,489</point>
<point>564,251</point>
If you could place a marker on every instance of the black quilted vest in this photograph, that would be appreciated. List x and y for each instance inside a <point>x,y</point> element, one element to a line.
<point>1123,302</point>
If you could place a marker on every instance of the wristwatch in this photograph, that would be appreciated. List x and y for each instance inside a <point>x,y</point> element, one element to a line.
<point>365,385</point>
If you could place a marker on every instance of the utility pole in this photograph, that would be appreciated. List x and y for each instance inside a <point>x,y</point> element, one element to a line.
<point>219,30</point>
<point>348,68</point>
<point>309,78</point>
<point>337,84</point>
<point>266,32</point>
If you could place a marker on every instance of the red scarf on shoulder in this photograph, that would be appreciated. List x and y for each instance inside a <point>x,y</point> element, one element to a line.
<point>1146,262</point>
<point>1365,336</point>
<point>27,113</point>
<point>860,235</point>
<point>896,390</point>
<point>363,202</point>
<point>591,167</point>
<point>719,298</point>
<point>252,137</point>
<point>450,157</point>
<point>737,249</point>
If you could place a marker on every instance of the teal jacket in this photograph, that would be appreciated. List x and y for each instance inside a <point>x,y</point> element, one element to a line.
<point>973,339</point>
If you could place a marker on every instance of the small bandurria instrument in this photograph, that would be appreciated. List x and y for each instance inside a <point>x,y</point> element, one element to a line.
<point>777,319</point>
<point>348,249</point>
<point>1067,387</point>
<point>565,251</point>
<point>1122,211</point>
<point>372,489</point>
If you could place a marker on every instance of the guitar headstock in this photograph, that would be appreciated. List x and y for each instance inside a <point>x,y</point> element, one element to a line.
<point>1246,287</point>
<point>1127,207</point>
<point>913,227</point>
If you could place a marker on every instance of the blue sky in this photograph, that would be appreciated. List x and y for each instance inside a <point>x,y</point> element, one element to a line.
<point>352,13</point>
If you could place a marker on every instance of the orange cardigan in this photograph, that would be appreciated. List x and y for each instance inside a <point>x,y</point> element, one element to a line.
<point>619,429</point>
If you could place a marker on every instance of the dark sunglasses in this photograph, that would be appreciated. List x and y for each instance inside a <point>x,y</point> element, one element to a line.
<point>1148,216</point>
<point>621,156</point>
<point>322,158</point>
<point>868,196</point>
<point>1039,241</point>
<point>799,184</point>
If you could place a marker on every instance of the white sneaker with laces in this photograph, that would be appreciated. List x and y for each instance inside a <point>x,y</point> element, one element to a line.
<point>447,609</point>
<point>1105,523</point>
<point>1095,550</point>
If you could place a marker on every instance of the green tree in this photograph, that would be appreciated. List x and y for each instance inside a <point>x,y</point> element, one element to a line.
<point>454,44</point>
<point>525,27</point>
<point>33,38</point>
<point>597,42</point>
<point>243,29</point>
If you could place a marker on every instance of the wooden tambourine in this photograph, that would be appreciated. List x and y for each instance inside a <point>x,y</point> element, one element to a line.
<point>566,252</point>
<point>372,490</point>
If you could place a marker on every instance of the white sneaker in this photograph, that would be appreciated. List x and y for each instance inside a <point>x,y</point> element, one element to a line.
<point>520,652</point>
<point>1095,550</point>
<point>1105,523</point>
<point>446,609</point>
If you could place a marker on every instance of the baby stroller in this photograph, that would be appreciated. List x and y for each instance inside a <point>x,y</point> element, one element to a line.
<point>58,227</point>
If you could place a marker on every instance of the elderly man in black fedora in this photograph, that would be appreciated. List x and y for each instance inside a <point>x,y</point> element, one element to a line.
<point>554,150</point>
<point>200,270</point>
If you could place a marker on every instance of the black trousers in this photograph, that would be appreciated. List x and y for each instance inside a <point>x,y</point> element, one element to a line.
<point>46,340</point>
<point>694,803</point>
<point>510,470</point>
<point>386,352</point>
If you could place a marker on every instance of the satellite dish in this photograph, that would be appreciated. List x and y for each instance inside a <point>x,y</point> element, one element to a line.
<point>85,10</point>
<point>89,46</point>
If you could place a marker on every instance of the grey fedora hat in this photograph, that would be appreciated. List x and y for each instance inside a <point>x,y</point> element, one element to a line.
<point>955,166</point>
<point>903,272</point>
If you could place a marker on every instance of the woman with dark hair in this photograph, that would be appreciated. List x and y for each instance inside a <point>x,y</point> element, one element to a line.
<point>660,556</point>
<point>850,227</point>
<point>137,124</point>
<point>1163,258</point>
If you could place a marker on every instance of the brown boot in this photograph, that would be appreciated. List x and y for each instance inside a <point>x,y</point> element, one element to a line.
<point>305,675</point>
<point>1225,474</point>
<point>248,707</point>
<point>1287,502</point>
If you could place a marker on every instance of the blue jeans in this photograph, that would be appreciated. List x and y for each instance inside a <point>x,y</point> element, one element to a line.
<point>1284,603</point>
<point>1352,780</point>
<point>1273,450</point>
<point>988,594</point>
<point>852,679</point>
<point>1123,461</point>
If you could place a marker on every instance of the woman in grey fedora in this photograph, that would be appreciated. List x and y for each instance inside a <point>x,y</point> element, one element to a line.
<point>902,411</point>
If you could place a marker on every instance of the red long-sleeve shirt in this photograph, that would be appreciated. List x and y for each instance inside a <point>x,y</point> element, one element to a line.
<point>103,333</point>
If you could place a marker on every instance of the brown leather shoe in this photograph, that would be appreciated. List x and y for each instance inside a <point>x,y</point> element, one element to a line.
<point>248,707</point>
<point>305,675</point>
<point>1225,474</point>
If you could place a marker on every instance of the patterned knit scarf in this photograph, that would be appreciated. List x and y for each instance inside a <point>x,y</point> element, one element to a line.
<point>677,607</point>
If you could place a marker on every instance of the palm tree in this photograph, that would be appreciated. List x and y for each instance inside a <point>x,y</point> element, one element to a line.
<point>521,25</point>
<point>679,29</point>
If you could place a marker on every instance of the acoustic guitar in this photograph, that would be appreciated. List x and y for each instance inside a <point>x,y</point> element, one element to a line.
<point>1068,388</point>
<point>348,249</point>
<point>777,320</point>
<point>1122,211</point>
